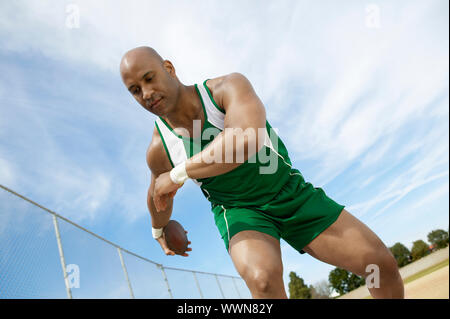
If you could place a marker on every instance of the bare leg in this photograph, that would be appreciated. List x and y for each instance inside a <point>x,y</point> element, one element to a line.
<point>257,258</point>
<point>351,245</point>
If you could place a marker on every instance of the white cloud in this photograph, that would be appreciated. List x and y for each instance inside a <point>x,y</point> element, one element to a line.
<point>442,190</point>
<point>6,173</point>
<point>421,172</point>
<point>382,84</point>
<point>399,194</point>
<point>85,193</point>
<point>338,91</point>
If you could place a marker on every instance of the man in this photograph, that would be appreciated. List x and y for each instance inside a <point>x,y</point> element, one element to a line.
<point>252,209</point>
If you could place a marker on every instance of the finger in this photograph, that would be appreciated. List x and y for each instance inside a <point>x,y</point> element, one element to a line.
<point>185,255</point>
<point>163,244</point>
<point>169,252</point>
<point>189,242</point>
<point>189,249</point>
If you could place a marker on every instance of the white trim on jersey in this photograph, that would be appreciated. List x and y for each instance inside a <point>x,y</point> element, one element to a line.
<point>174,144</point>
<point>215,117</point>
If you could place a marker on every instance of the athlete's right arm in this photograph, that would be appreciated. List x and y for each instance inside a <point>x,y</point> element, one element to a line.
<point>157,165</point>
<point>161,218</point>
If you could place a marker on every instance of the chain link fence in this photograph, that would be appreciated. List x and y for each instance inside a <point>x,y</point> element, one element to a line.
<point>42,253</point>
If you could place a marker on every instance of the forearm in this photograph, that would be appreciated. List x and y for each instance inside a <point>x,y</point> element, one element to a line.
<point>223,154</point>
<point>161,218</point>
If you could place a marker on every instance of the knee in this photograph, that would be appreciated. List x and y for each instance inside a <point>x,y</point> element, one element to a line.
<point>263,280</point>
<point>389,263</point>
<point>385,261</point>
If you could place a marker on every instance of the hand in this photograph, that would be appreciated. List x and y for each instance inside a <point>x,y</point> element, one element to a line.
<point>164,189</point>
<point>167,250</point>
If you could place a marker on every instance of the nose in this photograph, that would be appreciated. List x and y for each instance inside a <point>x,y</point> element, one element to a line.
<point>146,94</point>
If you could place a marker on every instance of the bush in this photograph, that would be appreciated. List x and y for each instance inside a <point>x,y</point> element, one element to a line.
<point>438,238</point>
<point>401,254</point>
<point>297,287</point>
<point>343,281</point>
<point>420,249</point>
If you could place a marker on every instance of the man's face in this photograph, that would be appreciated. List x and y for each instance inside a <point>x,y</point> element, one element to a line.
<point>153,85</point>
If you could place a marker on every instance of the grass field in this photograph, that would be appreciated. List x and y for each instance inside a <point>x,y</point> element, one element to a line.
<point>426,272</point>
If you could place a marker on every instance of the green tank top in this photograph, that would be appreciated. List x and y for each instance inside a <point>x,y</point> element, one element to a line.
<point>253,183</point>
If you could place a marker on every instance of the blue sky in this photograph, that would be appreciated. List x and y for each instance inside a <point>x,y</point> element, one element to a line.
<point>362,107</point>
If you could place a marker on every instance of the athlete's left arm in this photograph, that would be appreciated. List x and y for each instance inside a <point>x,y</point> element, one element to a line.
<point>245,117</point>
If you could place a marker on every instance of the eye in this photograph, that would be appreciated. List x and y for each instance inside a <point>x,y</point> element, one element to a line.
<point>148,79</point>
<point>135,91</point>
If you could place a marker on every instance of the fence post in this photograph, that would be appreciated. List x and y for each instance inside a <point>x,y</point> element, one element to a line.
<point>61,257</point>
<point>235,286</point>
<point>125,272</point>
<point>198,286</point>
<point>217,279</point>
<point>165,279</point>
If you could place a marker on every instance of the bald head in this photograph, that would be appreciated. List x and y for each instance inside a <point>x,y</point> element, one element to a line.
<point>139,55</point>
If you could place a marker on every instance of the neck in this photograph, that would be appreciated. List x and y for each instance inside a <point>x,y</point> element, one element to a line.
<point>187,109</point>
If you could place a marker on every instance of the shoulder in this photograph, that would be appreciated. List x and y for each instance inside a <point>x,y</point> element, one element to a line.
<point>225,87</point>
<point>222,84</point>
<point>156,157</point>
<point>220,81</point>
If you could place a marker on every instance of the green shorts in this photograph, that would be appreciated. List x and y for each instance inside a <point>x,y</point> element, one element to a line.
<point>298,214</point>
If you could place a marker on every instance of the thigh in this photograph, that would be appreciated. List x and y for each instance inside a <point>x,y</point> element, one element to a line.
<point>254,252</point>
<point>311,213</point>
<point>347,243</point>
<point>233,220</point>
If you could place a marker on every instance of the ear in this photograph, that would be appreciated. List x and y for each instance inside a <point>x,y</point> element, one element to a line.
<point>168,66</point>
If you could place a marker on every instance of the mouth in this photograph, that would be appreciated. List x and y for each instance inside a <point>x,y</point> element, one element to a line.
<point>153,105</point>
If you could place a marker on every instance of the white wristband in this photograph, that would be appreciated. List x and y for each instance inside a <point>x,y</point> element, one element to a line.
<point>157,232</point>
<point>178,174</point>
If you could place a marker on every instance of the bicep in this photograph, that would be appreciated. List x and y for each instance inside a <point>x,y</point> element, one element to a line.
<point>157,160</point>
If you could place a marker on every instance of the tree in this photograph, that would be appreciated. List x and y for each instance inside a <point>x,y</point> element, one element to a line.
<point>401,254</point>
<point>343,281</point>
<point>419,250</point>
<point>321,290</point>
<point>297,287</point>
<point>438,238</point>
